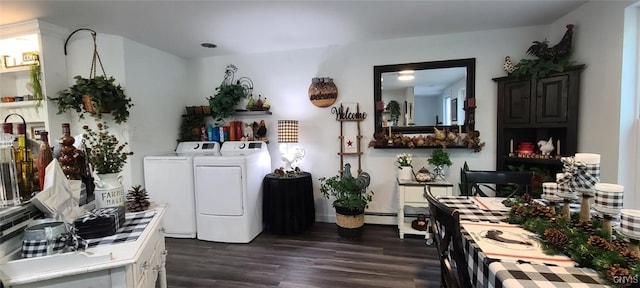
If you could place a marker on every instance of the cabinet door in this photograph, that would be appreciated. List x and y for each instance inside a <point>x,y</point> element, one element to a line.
<point>517,102</point>
<point>552,99</point>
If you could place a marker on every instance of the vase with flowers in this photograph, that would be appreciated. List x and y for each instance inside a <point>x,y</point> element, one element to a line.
<point>405,171</point>
<point>107,156</point>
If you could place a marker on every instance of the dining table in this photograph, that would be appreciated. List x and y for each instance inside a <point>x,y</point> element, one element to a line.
<point>504,265</point>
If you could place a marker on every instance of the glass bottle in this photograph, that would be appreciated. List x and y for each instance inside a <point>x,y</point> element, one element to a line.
<point>67,157</point>
<point>24,161</point>
<point>10,192</point>
<point>45,156</point>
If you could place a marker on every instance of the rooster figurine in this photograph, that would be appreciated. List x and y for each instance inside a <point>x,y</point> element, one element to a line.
<point>556,53</point>
<point>546,146</point>
<point>508,65</point>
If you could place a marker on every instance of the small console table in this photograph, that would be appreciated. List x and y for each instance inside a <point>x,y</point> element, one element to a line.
<point>411,194</point>
<point>288,205</point>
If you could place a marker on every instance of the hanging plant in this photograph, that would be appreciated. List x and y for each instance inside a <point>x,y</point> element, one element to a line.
<point>229,94</point>
<point>95,95</point>
<point>35,77</point>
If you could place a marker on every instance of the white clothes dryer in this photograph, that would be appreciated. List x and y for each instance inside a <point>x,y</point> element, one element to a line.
<point>229,192</point>
<point>168,178</point>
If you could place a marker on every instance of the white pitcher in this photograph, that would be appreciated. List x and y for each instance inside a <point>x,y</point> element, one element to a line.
<point>109,190</point>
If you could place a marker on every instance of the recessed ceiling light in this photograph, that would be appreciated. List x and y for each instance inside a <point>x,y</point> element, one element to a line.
<point>405,77</point>
<point>208,45</point>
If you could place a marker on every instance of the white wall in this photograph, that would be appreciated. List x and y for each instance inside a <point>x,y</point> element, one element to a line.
<point>284,78</point>
<point>598,42</point>
<point>157,83</point>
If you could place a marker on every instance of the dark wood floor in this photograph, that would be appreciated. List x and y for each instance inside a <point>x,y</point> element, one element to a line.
<point>316,258</point>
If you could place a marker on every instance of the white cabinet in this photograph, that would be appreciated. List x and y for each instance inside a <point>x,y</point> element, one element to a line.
<point>138,263</point>
<point>47,41</point>
<point>411,194</point>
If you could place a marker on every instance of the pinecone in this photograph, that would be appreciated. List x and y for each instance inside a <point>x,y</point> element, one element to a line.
<point>630,256</point>
<point>587,227</point>
<point>519,210</point>
<point>541,211</point>
<point>526,198</point>
<point>618,272</point>
<point>137,199</point>
<point>555,237</point>
<point>599,242</point>
<point>619,245</point>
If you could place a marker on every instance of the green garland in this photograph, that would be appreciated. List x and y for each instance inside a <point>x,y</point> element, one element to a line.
<point>608,262</point>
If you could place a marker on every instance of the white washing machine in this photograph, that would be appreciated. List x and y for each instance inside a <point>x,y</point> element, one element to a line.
<point>169,179</point>
<point>229,192</point>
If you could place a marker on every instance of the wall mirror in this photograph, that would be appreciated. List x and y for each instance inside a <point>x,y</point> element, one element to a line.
<point>416,97</point>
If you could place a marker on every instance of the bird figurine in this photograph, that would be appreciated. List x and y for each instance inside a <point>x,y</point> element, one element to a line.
<point>261,131</point>
<point>508,65</point>
<point>558,52</point>
<point>439,134</point>
<point>546,146</point>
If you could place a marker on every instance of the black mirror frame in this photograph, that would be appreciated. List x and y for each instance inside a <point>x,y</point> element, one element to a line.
<point>469,103</point>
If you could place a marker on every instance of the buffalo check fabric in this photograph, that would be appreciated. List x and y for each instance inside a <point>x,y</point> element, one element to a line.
<point>134,225</point>
<point>469,211</point>
<point>514,275</point>
<point>486,272</point>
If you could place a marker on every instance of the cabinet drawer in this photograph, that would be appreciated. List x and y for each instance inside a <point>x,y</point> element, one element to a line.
<point>438,191</point>
<point>414,194</point>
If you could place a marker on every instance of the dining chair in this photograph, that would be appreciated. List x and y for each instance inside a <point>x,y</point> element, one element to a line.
<point>445,225</point>
<point>518,182</point>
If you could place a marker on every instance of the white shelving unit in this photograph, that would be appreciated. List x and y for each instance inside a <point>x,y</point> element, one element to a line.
<point>411,194</point>
<point>47,41</point>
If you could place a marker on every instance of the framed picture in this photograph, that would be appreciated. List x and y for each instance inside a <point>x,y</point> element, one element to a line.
<point>454,109</point>
<point>35,132</point>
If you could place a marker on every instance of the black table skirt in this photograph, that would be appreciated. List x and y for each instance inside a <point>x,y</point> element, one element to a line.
<point>288,205</point>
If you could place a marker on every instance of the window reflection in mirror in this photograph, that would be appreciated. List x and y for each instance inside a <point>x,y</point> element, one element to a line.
<point>434,95</point>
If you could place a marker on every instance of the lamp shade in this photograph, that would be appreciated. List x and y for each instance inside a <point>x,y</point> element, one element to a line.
<point>287,131</point>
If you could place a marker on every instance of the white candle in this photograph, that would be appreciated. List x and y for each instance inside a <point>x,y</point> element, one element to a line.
<point>558,147</point>
<point>588,158</point>
<point>459,129</point>
<point>511,146</point>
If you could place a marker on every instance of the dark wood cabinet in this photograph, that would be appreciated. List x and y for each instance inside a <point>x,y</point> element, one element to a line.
<point>533,110</point>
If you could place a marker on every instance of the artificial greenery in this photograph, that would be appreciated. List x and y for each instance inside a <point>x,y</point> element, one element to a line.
<point>106,153</point>
<point>189,121</point>
<point>226,98</point>
<point>105,96</point>
<point>394,109</point>
<point>35,75</point>
<point>439,157</point>
<point>346,192</point>
<point>587,244</point>
<point>538,68</point>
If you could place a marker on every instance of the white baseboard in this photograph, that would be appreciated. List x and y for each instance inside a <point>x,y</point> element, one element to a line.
<point>374,218</point>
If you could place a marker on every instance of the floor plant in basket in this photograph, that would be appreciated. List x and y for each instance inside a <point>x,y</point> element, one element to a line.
<point>351,197</point>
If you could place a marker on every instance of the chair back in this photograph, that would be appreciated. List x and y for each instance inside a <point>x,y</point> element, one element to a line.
<point>519,181</point>
<point>445,225</point>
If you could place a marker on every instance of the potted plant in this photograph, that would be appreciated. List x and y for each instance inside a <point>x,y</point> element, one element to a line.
<point>439,158</point>
<point>95,95</point>
<point>405,170</point>
<point>351,198</point>
<point>227,96</point>
<point>394,108</point>
<point>107,156</point>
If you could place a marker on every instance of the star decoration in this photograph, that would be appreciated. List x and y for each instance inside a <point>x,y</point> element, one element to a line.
<point>349,143</point>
